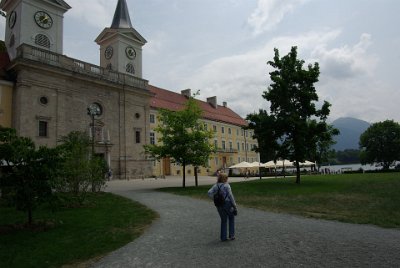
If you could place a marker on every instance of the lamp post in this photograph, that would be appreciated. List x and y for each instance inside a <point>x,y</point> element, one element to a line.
<point>93,110</point>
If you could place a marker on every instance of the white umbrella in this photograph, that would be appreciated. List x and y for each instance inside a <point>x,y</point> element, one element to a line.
<point>284,163</point>
<point>307,163</point>
<point>269,164</point>
<point>255,164</point>
<point>243,164</point>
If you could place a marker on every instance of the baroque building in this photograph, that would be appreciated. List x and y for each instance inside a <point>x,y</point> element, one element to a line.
<point>51,92</point>
<point>45,95</point>
<point>233,144</point>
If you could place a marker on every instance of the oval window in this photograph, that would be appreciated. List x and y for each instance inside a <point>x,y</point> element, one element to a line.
<point>43,100</point>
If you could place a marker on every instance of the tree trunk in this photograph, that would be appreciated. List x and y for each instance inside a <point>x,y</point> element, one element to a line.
<point>195,176</point>
<point>184,175</point>
<point>297,172</point>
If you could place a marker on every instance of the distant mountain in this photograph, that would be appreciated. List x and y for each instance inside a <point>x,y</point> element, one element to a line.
<point>350,132</point>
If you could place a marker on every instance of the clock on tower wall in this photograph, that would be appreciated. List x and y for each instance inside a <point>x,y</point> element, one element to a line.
<point>35,22</point>
<point>130,54</point>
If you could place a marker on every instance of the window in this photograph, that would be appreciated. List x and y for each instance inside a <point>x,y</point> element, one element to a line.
<point>42,40</point>
<point>216,144</point>
<point>230,146</point>
<point>238,146</point>
<point>43,100</point>
<point>214,128</point>
<point>42,128</point>
<point>152,138</point>
<point>130,69</point>
<point>242,146</point>
<point>229,131</point>
<point>222,130</point>
<point>237,132</point>
<point>223,145</point>
<point>238,159</point>
<point>137,136</point>
<point>152,118</point>
<point>205,126</point>
<point>216,161</point>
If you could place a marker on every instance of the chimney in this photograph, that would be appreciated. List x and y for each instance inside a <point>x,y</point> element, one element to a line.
<point>212,101</point>
<point>225,104</point>
<point>187,93</point>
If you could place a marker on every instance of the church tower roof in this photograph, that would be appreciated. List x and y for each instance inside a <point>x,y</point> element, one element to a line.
<point>121,17</point>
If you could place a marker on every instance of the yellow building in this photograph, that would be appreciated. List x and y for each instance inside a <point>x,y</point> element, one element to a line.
<point>233,144</point>
<point>6,88</point>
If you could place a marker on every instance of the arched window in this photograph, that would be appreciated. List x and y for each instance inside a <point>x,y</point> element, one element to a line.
<point>42,40</point>
<point>130,69</point>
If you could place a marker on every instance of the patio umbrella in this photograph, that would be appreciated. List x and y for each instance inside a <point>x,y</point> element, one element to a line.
<point>243,164</point>
<point>255,164</point>
<point>284,163</point>
<point>269,164</point>
<point>307,164</point>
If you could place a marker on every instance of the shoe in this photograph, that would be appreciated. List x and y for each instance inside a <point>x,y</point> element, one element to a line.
<point>231,238</point>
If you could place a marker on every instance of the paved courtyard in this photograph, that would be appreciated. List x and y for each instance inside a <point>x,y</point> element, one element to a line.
<point>187,235</point>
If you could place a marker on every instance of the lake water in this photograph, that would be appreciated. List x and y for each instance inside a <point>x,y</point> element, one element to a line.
<point>350,167</point>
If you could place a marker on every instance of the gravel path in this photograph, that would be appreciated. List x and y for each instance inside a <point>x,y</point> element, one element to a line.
<point>187,235</point>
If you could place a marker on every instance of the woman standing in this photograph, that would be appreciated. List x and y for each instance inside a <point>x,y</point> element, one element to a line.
<point>228,210</point>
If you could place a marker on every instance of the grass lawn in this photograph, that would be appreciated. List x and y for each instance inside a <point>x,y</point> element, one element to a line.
<point>105,223</point>
<point>356,198</point>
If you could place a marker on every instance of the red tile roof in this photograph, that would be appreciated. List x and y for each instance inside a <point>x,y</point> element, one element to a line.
<point>166,99</point>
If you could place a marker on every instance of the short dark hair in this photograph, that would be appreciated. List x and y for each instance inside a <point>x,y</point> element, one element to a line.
<point>222,177</point>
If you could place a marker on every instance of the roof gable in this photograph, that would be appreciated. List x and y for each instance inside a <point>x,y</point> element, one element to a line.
<point>129,33</point>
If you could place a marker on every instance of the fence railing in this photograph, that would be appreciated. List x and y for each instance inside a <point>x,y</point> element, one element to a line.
<point>41,55</point>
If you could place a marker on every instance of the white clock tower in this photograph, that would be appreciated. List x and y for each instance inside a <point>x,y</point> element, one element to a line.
<point>35,22</point>
<point>121,45</point>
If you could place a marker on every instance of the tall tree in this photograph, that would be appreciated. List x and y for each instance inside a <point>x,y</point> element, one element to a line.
<point>380,143</point>
<point>183,137</point>
<point>299,125</point>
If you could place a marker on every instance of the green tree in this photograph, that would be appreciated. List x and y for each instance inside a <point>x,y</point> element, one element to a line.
<point>27,171</point>
<point>183,137</point>
<point>348,156</point>
<point>299,125</point>
<point>265,134</point>
<point>380,143</point>
<point>80,170</point>
<point>322,144</point>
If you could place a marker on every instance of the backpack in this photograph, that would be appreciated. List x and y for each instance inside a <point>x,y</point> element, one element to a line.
<point>219,198</point>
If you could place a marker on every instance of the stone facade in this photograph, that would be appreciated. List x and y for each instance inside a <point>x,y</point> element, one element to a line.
<point>57,90</point>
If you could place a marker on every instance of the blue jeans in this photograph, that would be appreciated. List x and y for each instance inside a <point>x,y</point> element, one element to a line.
<point>226,215</point>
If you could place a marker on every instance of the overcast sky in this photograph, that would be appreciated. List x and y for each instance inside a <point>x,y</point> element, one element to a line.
<point>221,47</point>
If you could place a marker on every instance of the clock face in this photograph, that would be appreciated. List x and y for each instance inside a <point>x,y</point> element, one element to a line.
<point>130,52</point>
<point>95,109</point>
<point>12,19</point>
<point>43,20</point>
<point>108,52</point>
